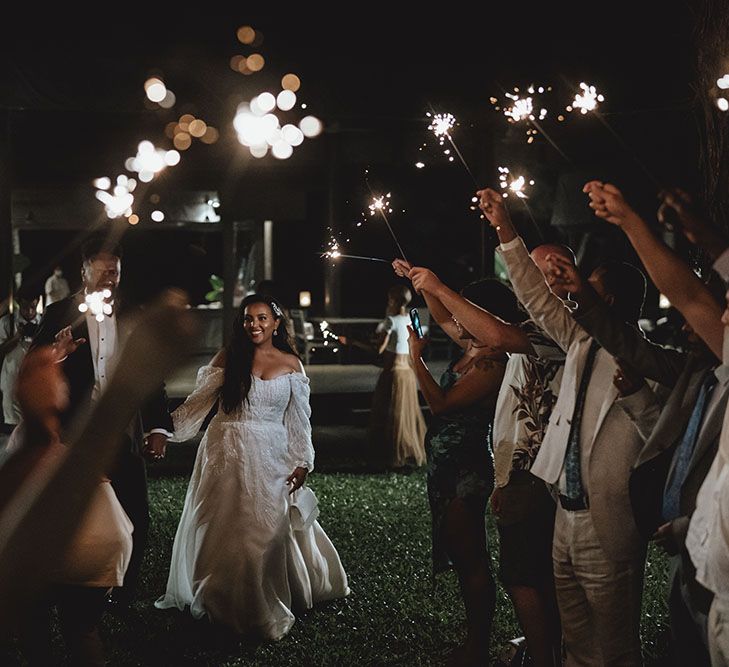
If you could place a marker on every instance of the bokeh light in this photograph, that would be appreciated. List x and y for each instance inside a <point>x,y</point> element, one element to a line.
<point>266,102</point>
<point>182,141</point>
<point>156,92</point>
<point>172,158</point>
<point>281,150</point>
<point>197,128</point>
<point>292,135</point>
<point>211,135</point>
<point>290,82</point>
<point>169,100</point>
<point>310,126</point>
<point>286,100</point>
<point>246,34</point>
<point>255,62</point>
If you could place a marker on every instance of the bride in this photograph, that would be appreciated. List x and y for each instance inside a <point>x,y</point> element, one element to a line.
<point>239,557</point>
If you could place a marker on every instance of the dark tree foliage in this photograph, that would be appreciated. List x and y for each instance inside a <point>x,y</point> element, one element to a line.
<point>712,62</point>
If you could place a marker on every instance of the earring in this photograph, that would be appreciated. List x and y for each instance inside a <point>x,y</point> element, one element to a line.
<point>275,332</point>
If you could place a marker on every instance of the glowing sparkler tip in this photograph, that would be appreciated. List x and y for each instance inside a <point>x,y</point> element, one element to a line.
<point>442,124</point>
<point>587,100</point>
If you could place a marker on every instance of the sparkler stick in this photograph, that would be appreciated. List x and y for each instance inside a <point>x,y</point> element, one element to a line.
<point>378,204</point>
<point>522,109</point>
<point>588,101</point>
<point>538,126</point>
<point>441,126</point>
<point>517,187</point>
<point>333,254</point>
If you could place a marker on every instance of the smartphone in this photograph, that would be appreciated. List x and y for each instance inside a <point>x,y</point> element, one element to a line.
<point>415,319</point>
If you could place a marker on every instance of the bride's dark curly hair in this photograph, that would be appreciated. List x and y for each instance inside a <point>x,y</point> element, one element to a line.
<point>239,352</point>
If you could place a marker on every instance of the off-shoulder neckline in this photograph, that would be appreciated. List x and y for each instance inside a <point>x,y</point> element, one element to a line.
<point>283,375</point>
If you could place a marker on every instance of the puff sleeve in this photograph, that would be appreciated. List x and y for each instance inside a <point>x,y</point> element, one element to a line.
<point>297,420</point>
<point>189,416</point>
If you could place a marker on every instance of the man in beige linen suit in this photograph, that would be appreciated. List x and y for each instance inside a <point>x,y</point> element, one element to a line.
<point>598,553</point>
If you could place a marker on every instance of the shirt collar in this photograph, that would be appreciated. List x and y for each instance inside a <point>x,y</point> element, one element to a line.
<point>722,374</point>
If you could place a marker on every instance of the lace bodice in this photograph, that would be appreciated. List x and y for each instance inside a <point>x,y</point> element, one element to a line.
<point>281,401</point>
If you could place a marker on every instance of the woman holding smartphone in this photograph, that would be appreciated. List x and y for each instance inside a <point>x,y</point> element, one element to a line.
<point>460,468</point>
<point>396,426</point>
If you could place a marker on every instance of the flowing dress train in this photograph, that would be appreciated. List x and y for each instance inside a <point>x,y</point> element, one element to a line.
<point>236,557</point>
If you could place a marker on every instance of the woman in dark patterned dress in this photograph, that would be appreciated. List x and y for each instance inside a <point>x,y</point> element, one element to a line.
<point>460,468</point>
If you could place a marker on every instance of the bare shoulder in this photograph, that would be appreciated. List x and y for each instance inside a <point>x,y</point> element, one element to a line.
<point>293,363</point>
<point>219,359</point>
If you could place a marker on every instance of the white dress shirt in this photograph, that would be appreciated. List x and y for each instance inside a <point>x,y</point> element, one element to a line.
<point>707,540</point>
<point>721,265</point>
<point>103,337</point>
<point>102,343</point>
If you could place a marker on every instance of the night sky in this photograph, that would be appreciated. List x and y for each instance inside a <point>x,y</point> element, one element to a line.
<point>72,86</point>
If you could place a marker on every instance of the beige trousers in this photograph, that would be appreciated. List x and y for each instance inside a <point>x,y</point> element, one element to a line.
<point>719,632</point>
<point>599,598</point>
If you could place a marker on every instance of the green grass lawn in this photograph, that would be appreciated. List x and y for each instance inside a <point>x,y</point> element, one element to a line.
<point>380,524</point>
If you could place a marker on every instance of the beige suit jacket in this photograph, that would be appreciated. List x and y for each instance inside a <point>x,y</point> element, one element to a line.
<point>616,440</point>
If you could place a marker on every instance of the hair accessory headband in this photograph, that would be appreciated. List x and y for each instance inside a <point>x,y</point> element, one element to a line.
<point>276,309</point>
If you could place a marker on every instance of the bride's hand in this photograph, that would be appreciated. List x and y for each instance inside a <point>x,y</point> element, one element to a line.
<point>297,479</point>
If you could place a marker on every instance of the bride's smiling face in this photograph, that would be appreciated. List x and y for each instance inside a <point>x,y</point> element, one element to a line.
<point>259,322</point>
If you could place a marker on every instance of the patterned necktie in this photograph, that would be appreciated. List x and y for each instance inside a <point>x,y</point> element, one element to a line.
<point>672,495</point>
<point>573,474</point>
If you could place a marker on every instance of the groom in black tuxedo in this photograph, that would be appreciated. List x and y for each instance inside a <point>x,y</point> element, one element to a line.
<point>90,348</point>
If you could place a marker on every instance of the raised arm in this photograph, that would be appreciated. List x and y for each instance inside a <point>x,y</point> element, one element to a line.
<point>480,323</point>
<point>669,273</point>
<point>619,338</point>
<point>438,311</point>
<point>677,207</point>
<point>476,385</point>
<point>544,306</point>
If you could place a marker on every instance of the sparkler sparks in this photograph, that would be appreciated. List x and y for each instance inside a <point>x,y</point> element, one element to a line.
<point>335,252</point>
<point>441,125</point>
<point>119,201</point>
<point>523,107</point>
<point>380,204</point>
<point>514,184</point>
<point>526,109</point>
<point>96,303</point>
<point>587,100</point>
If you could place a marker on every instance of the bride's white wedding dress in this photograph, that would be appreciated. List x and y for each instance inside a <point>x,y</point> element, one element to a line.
<point>236,557</point>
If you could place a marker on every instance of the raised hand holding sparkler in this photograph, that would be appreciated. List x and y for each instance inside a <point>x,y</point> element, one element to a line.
<point>677,211</point>
<point>494,209</point>
<point>609,204</point>
<point>516,185</point>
